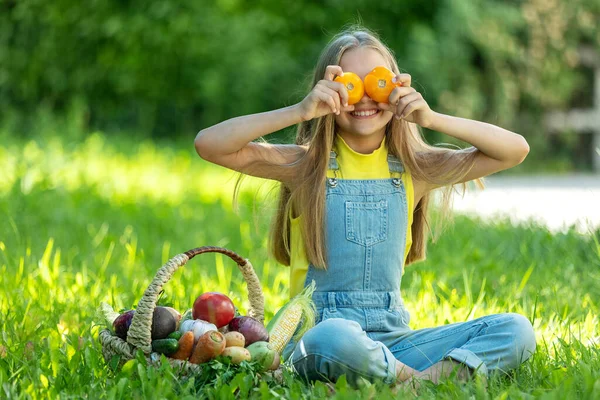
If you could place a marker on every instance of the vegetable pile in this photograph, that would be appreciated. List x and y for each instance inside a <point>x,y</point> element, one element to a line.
<point>211,329</point>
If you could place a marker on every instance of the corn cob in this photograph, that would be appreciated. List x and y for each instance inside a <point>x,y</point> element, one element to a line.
<point>299,310</point>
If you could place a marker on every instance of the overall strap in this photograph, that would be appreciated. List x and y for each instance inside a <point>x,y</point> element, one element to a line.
<point>333,164</point>
<point>396,169</point>
<point>394,164</point>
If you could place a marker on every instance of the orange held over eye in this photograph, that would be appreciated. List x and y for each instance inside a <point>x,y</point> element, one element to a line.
<point>379,85</point>
<point>354,85</point>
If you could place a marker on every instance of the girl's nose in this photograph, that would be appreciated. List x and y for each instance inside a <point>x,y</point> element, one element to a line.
<point>365,100</point>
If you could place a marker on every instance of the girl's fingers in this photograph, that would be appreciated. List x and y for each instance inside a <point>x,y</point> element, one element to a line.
<point>326,98</point>
<point>348,108</point>
<point>396,98</point>
<point>399,93</point>
<point>411,107</point>
<point>334,96</point>
<point>404,79</point>
<point>404,101</point>
<point>414,106</point>
<point>331,71</point>
<point>340,88</point>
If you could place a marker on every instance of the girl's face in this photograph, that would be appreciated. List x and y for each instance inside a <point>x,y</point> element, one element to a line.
<point>370,126</point>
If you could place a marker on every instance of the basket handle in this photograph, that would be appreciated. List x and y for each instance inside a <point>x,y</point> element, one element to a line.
<point>139,334</point>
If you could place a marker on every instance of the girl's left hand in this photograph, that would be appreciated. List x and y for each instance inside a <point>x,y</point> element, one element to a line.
<point>408,104</point>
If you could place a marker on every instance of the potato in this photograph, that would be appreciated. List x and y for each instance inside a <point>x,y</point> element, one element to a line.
<point>234,338</point>
<point>237,354</point>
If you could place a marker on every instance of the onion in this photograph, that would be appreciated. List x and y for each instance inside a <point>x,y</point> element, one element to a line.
<point>197,326</point>
<point>252,330</point>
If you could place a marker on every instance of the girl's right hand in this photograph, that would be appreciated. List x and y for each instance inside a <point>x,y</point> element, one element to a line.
<point>326,97</point>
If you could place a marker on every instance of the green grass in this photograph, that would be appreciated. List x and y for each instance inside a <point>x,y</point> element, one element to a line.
<point>91,219</point>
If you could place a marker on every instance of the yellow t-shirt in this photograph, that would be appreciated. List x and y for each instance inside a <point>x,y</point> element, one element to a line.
<point>352,165</point>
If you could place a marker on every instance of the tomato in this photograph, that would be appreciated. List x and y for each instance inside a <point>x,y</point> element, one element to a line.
<point>214,307</point>
<point>355,86</point>
<point>379,85</point>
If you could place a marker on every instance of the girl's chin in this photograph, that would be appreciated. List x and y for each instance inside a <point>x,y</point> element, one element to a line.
<point>363,132</point>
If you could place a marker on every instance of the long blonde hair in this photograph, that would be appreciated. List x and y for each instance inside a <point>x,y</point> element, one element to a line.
<point>306,196</point>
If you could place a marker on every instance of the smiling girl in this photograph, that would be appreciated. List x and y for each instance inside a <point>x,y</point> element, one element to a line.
<point>355,189</point>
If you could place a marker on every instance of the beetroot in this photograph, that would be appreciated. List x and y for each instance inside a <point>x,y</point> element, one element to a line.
<point>122,322</point>
<point>252,329</point>
<point>164,321</point>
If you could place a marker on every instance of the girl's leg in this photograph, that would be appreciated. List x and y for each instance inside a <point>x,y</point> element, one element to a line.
<point>493,343</point>
<point>338,346</point>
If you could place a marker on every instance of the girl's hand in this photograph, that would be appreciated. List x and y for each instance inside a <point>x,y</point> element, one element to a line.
<point>408,104</point>
<point>326,97</point>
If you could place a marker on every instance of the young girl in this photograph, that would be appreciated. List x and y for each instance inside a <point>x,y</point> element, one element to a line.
<point>354,195</point>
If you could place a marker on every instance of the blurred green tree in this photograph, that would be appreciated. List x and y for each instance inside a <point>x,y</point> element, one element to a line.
<point>172,68</point>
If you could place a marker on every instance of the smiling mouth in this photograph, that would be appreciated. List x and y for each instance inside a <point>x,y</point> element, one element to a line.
<point>364,114</point>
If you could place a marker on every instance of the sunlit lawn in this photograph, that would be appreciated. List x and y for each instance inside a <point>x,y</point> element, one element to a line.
<point>92,219</point>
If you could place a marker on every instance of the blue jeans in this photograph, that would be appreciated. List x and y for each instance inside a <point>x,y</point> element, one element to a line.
<point>339,346</point>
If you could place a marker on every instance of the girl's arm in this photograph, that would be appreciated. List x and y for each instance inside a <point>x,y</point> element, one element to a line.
<point>497,148</point>
<point>230,143</point>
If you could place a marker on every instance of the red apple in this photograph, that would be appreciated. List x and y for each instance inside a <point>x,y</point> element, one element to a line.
<point>214,307</point>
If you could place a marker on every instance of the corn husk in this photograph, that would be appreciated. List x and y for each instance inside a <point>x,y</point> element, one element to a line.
<point>293,319</point>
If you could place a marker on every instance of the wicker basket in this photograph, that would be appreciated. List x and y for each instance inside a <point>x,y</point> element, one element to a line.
<point>139,334</point>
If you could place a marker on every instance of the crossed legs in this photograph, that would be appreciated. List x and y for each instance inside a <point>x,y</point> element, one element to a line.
<point>336,346</point>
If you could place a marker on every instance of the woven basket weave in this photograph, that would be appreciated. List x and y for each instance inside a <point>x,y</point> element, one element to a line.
<point>139,334</point>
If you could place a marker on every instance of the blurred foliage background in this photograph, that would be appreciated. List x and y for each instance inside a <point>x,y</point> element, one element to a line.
<point>165,68</point>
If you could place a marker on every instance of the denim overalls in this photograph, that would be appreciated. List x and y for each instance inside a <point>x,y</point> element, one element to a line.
<point>362,324</point>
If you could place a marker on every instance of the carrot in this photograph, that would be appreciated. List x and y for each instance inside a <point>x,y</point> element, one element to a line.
<point>186,346</point>
<point>210,345</point>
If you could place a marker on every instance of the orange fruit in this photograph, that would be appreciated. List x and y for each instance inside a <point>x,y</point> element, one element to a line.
<point>354,85</point>
<point>379,85</point>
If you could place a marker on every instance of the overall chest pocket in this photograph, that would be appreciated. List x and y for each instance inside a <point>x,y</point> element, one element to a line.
<point>366,222</point>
